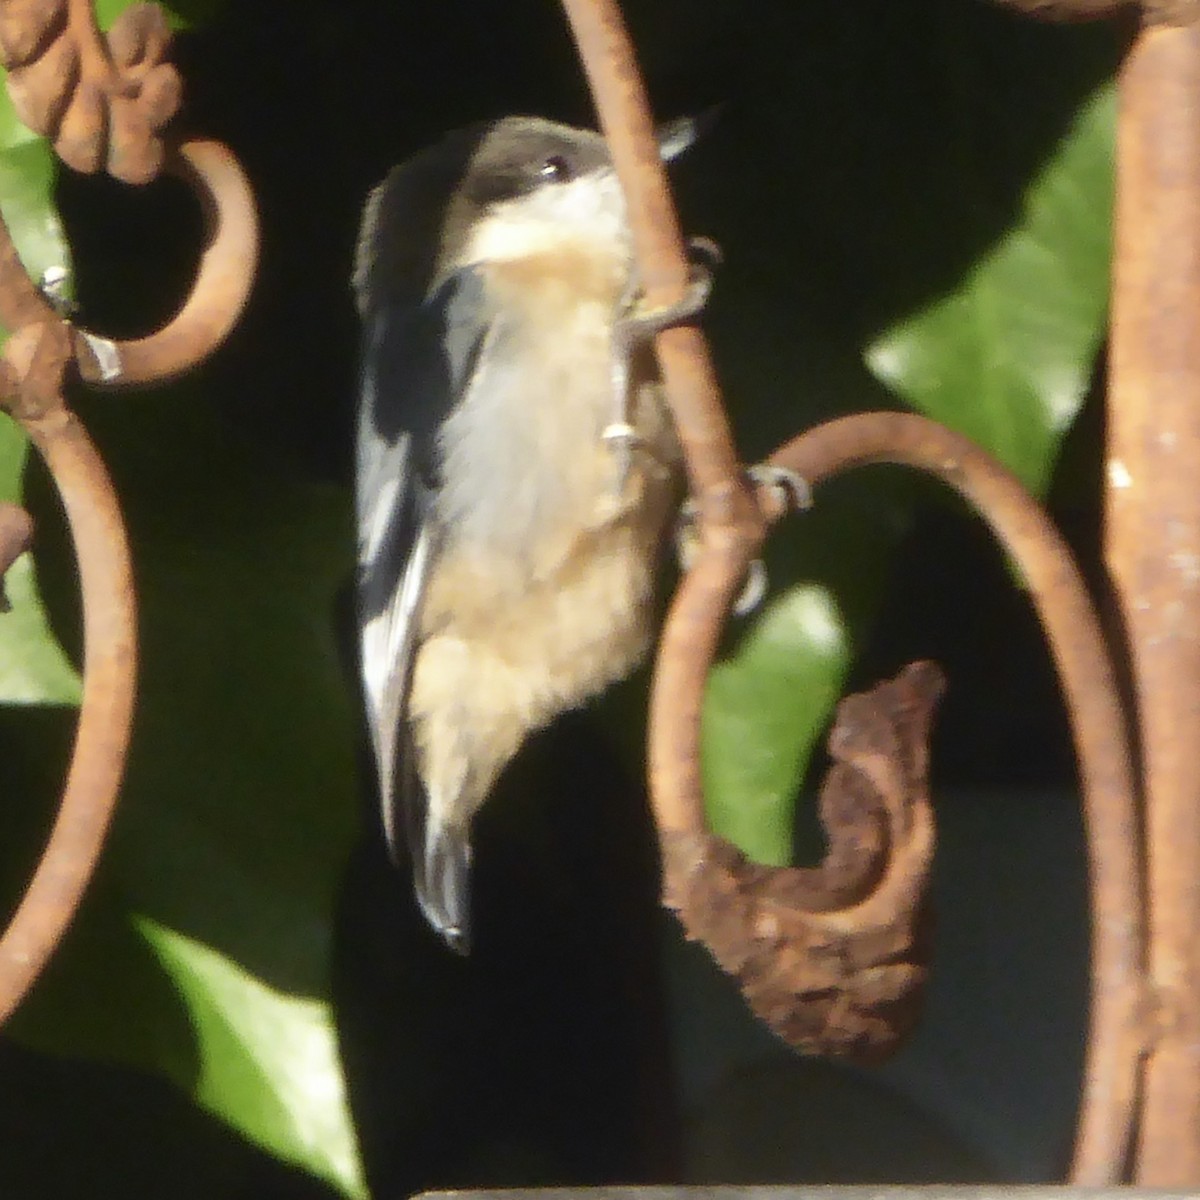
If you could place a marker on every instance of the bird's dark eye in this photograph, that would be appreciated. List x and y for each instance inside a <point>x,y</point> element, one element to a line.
<point>556,169</point>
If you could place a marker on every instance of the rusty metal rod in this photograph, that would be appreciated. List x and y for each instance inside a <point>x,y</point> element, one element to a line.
<point>1088,682</point>
<point>1153,549</point>
<point>730,538</point>
<point>221,288</point>
<point>1068,10</point>
<point>31,372</point>
<point>731,525</point>
<point>727,509</point>
<point>142,96</point>
<point>109,668</point>
<point>1098,725</point>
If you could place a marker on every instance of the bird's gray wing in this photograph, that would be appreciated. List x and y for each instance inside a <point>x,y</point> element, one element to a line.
<point>417,362</point>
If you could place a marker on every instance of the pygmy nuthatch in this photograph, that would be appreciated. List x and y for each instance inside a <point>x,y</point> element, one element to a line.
<point>517,468</point>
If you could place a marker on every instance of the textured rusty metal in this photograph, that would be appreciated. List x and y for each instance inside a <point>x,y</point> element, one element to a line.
<point>1170,12</point>
<point>731,527</point>
<point>103,102</point>
<point>832,958</point>
<point>219,293</point>
<point>814,1191</point>
<point>1149,12</point>
<point>1117,1016</point>
<point>688,643</point>
<point>1068,10</point>
<point>35,359</point>
<point>730,536</point>
<point>727,512</point>
<point>1153,550</point>
<point>102,738</point>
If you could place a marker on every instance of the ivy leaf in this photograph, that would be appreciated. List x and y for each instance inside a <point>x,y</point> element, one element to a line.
<point>181,14</point>
<point>33,667</point>
<point>270,1060</point>
<point>751,703</point>
<point>239,805</point>
<point>1006,356</point>
<point>944,177</point>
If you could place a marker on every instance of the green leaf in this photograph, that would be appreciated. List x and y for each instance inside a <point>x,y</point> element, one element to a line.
<point>33,667</point>
<point>181,14</point>
<point>239,806</point>
<point>931,221</point>
<point>769,697</point>
<point>13,133</point>
<point>270,1060</point>
<point>27,175</point>
<point>1006,355</point>
<point>797,648</point>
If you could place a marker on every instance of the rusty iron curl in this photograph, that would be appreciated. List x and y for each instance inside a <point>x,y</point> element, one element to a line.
<point>104,104</point>
<point>1117,1018</point>
<point>832,958</point>
<point>778,930</point>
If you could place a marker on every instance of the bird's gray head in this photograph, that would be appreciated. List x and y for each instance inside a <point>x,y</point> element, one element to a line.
<point>502,189</point>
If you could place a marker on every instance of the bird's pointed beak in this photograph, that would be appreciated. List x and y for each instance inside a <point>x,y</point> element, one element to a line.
<point>674,137</point>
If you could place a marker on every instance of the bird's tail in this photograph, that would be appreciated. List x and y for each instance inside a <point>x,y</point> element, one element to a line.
<point>441,878</point>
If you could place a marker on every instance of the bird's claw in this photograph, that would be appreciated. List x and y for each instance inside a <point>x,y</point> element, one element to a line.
<point>754,588</point>
<point>705,253</point>
<point>636,324</point>
<point>621,434</point>
<point>686,538</point>
<point>790,488</point>
<point>793,492</point>
<point>639,323</point>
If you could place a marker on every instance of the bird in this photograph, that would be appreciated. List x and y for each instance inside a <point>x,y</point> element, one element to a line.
<point>516,471</point>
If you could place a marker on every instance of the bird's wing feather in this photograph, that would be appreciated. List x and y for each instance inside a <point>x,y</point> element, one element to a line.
<point>418,361</point>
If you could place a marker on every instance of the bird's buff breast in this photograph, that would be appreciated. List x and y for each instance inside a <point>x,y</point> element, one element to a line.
<point>551,623</point>
<point>542,591</point>
<point>503,652</point>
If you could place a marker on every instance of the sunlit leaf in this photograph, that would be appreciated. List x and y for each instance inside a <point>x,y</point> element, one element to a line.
<point>238,810</point>
<point>181,14</point>
<point>797,648</point>
<point>33,667</point>
<point>927,197</point>
<point>270,1060</point>
<point>1006,355</point>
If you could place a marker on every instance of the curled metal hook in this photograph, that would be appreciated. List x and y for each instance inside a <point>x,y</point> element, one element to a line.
<point>219,294</point>
<point>102,738</point>
<point>1101,739</point>
<point>103,103</point>
<point>31,377</point>
<point>731,531</point>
